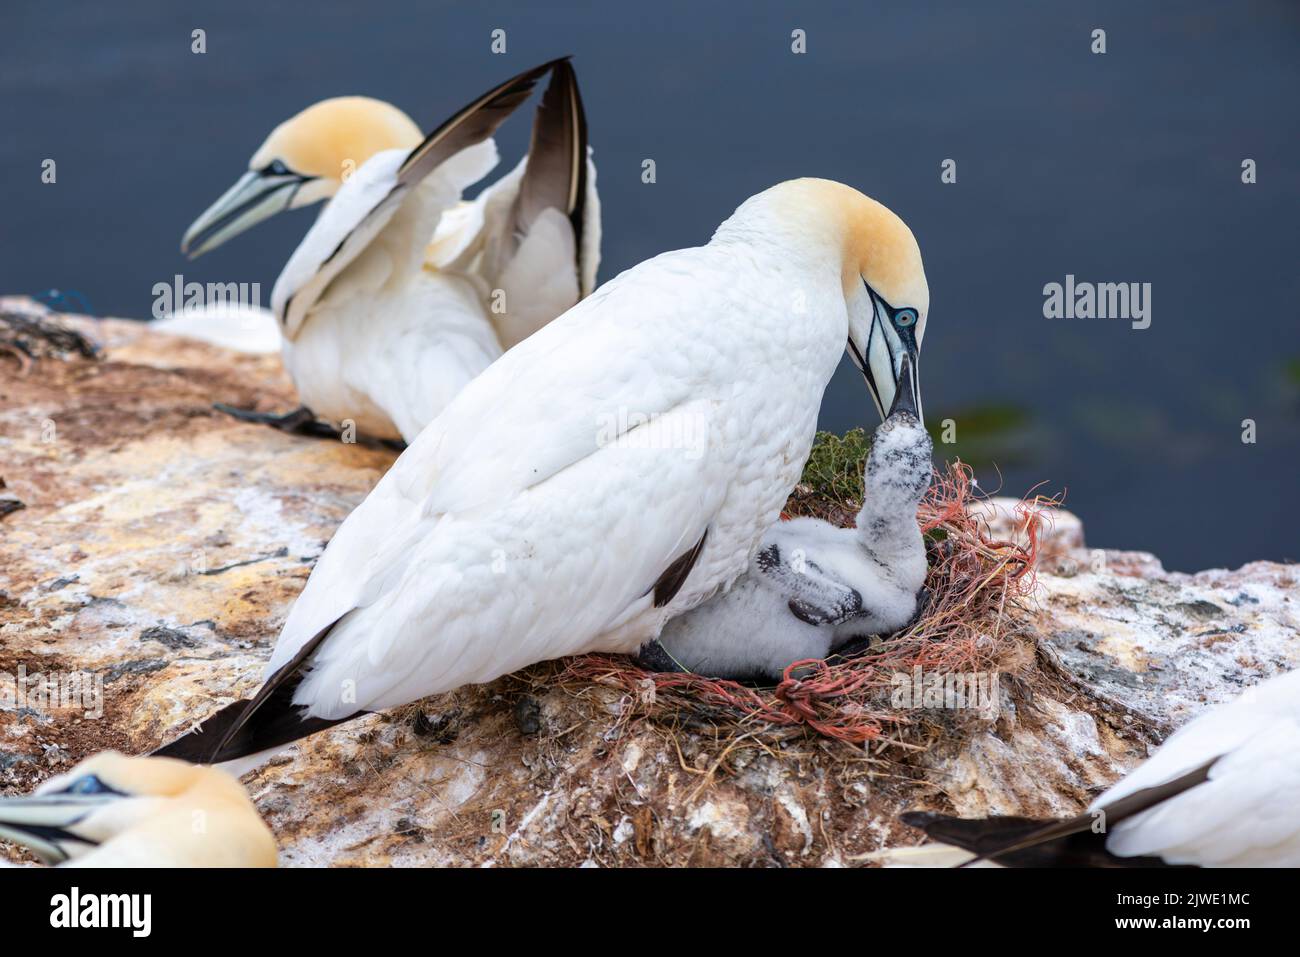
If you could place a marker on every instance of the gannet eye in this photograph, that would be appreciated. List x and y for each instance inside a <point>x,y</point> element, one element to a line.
<point>905,317</point>
<point>87,785</point>
<point>276,168</point>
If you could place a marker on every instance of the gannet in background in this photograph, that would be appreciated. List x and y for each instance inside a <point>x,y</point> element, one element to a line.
<point>400,293</point>
<point>1221,792</point>
<point>249,329</point>
<point>812,586</point>
<point>610,472</point>
<point>115,811</point>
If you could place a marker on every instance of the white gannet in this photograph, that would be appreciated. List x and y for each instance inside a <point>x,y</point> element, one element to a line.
<point>812,587</point>
<point>613,470</point>
<point>400,293</point>
<point>249,329</point>
<point>1220,792</point>
<point>117,811</point>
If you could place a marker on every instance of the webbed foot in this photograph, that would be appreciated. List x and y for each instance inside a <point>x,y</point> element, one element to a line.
<point>301,421</point>
<point>654,657</point>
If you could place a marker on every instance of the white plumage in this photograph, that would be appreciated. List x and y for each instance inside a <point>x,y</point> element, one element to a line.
<point>400,293</point>
<point>1241,812</point>
<point>386,342</point>
<point>541,513</point>
<point>507,534</point>
<point>1247,814</point>
<point>391,337</point>
<point>249,329</point>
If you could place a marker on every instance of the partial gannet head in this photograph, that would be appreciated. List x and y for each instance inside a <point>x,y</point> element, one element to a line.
<point>885,290</point>
<point>303,161</point>
<point>140,811</point>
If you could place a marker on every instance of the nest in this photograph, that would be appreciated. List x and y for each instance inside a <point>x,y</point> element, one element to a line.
<point>974,620</point>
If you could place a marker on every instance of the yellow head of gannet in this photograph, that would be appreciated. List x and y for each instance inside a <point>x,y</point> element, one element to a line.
<point>117,810</point>
<point>303,161</point>
<point>885,290</point>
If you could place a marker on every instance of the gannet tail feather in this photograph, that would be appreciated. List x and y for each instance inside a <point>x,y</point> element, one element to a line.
<point>988,839</point>
<point>277,723</point>
<point>267,721</point>
<point>1072,842</point>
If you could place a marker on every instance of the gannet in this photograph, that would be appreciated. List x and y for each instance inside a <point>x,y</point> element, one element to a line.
<point>248,329</point>
<point>1220,792</point>
<point>117,811</point>
<point>400,293</point>
<point>610,472</point>
<point>812,587</point>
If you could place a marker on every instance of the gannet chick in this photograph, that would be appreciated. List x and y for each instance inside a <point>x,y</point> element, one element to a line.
<point>813,586</point>
<point>117,811</point>
<point>1220,792</point>
<point>400,293</point>
<point>610,472</point>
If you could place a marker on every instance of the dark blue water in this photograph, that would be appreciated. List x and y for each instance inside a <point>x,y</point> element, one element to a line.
<point>1123,167</point>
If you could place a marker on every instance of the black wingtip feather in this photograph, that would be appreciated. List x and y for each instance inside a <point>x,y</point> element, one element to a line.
<point>556,174</point>
<point>573,93</point>
<point>1000,839</point>
<point>276,723</point>
<point>196,746</point>
<point>473,123</point>
<point>675,575</point>
<point>268,720</point>
<point>917,819</point>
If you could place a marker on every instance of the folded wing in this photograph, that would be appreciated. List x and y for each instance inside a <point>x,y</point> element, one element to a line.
<point>581,518</point>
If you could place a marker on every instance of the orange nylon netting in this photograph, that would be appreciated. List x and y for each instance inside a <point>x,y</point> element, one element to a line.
<point>967,625</point>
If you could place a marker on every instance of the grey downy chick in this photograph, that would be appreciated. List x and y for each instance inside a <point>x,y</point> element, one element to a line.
<point>812,587</point>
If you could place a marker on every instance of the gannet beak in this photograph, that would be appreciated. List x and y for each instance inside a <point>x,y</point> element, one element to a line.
<point>43,822</point>
<point>889,363</point>
<point>258,195</point>
<point>907,390</point>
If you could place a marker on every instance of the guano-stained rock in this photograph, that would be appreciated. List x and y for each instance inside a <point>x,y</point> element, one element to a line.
<point>162,543</point>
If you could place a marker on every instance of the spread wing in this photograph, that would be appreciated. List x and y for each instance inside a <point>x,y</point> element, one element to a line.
<point>535,233</point>
<point>361,210</point>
